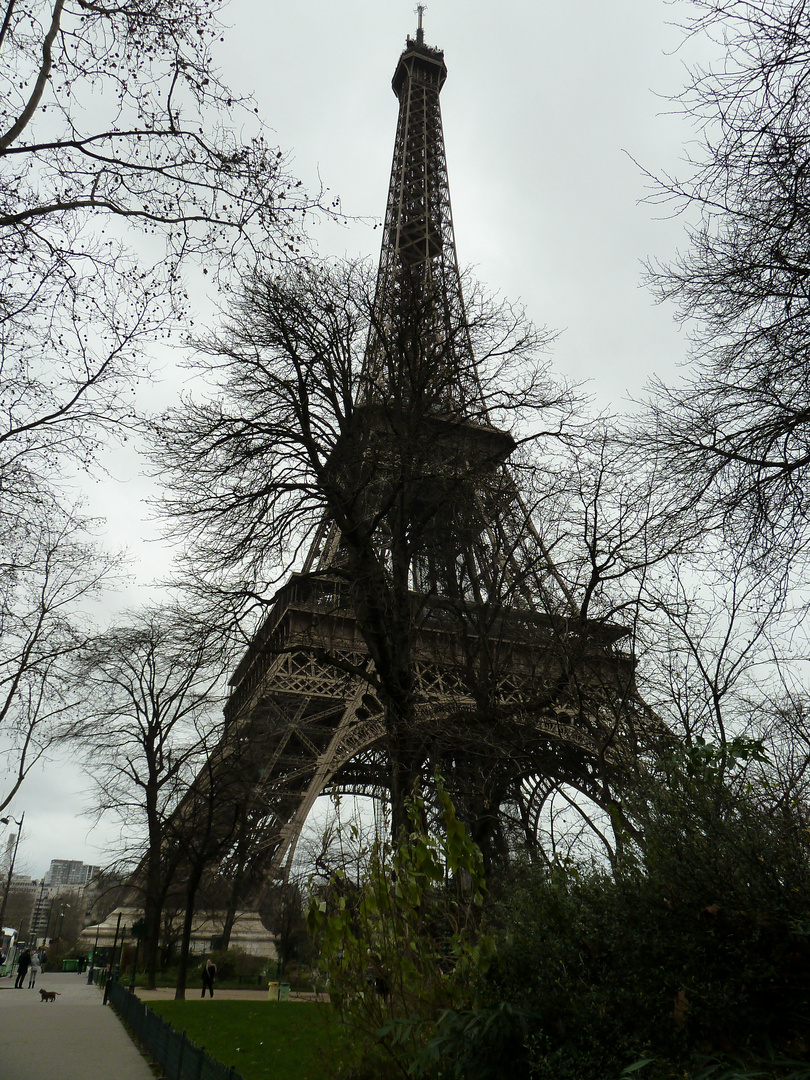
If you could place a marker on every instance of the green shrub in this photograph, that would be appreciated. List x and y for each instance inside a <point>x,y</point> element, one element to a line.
<point>407,946</point>
<point>690,958</point>
<point>695,947</point>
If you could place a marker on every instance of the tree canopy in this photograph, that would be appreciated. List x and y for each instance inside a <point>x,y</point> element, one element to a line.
<point>733,434</point>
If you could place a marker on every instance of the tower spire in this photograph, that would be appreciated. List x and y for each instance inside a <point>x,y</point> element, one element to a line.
<point>418,261</point>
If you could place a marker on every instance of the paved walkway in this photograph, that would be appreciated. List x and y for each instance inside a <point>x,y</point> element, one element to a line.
<point>75,1038</point>
<point>166,993</point>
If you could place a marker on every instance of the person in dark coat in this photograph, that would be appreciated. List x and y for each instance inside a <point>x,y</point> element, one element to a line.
<point>209,973</point>
<point>23,965</point>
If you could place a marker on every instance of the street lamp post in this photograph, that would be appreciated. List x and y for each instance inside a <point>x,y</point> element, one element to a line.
<point>19,824</point>
<point>92,967</point>
<point>65,907</point>
<point>36,919</point>
<point>48,937</point>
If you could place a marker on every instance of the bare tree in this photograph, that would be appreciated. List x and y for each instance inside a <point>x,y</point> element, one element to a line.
<point>120,161</point>
<point>152,697</point>
<point>243,860</point>
<point>779,718</point>
<point>120,164</point>
<point>399,456</point>
<point>203,830</point>
<point>283,912</point>
<point>709,634</point>
<point>67,919</point>
<point>366,454</point>
<point>252,470</point>
<point>18,911</point>
<point>590,606</point>
<point>734,433</point>
<point>50,573</point>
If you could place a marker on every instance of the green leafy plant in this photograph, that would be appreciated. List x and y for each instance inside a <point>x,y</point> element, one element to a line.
<point>407,945</point>
<point>726,1067</point>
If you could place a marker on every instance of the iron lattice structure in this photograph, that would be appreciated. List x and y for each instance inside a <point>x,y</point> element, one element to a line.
<point>418,256</point>
<point>509,691</point>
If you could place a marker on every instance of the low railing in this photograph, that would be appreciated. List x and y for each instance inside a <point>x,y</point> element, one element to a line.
<point>179,1058</point>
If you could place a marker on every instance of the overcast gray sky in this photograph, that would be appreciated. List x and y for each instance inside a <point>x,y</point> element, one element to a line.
<point>545,107</point>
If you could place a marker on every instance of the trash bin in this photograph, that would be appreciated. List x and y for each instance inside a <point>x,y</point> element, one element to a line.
<point>70,965</point>
<point>272,991</point>
<point>283,991</point>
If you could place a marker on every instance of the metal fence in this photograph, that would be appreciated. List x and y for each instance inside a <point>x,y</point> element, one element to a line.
<point>179,1058</point>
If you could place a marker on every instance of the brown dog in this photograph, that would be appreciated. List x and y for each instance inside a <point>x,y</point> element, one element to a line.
<point>49,995</point>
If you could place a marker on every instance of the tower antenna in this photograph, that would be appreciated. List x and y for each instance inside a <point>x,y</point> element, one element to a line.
<point>420,33</point>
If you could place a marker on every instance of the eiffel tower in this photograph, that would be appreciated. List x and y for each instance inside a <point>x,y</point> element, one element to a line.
<point>473,661</point>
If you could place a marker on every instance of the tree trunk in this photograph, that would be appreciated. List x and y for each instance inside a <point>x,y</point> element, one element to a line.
<point>230,916</point>
<point>151,941</point>
<point>153,902</point>
<point>182,967</point>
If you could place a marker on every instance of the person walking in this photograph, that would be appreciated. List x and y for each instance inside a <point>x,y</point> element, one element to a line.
<point>209,973</point>
<point>36,967</point>
<point>22,968</point>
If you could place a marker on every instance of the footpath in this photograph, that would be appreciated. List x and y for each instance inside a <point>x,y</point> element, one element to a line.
<point>75,1038</point>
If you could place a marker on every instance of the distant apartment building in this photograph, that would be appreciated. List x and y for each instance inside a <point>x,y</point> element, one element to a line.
<point>66,874</point>
<point>24,886</point>
<point>24,900</point>
<point>65,879</point>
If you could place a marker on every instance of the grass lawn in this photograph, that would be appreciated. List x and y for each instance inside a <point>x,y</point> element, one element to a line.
<point>263,1040</point>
